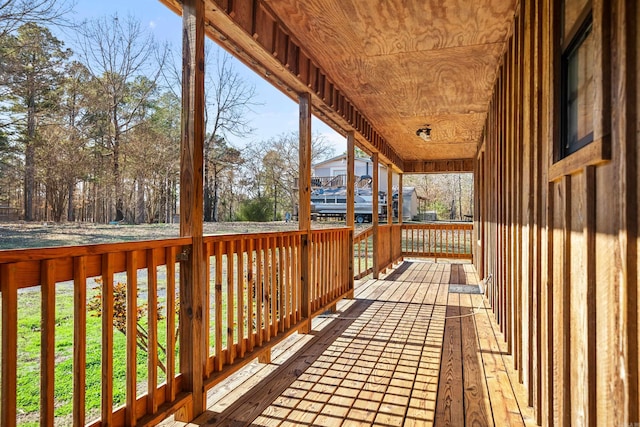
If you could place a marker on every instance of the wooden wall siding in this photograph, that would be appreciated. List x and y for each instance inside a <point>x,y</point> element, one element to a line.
<point>278,56</point>
<point>560,238</point>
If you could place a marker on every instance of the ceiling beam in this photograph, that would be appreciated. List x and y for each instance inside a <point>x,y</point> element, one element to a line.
<point>439,166</point>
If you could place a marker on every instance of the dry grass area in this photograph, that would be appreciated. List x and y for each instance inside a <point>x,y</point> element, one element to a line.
<point>19,235</point>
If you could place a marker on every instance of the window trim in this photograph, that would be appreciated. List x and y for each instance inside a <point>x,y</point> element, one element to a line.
<point>599,151</point>
<point>582,30</point>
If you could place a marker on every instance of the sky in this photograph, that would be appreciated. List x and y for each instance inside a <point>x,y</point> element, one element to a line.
<point>276,114</point>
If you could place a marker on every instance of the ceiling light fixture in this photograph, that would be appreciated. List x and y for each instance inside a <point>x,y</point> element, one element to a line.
<point>424,133</point>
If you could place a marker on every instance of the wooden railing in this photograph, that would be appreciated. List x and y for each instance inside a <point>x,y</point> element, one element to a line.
<point>329,253</point>
<point>363,253</point>
<point>389,249</point>
<point>449,240</point>
<point>253,301</point>
<point>65,280</point>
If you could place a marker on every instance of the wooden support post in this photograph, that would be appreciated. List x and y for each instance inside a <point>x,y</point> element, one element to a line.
<point>265,357</point>
<point>304,207</point>
<point>351,184</point>
<point>193,354</point>
<point>374,215</point>
<point>389,194</point>
<point>400,198</point>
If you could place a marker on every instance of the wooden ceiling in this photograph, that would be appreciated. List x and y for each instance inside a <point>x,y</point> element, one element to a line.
<point>400,64</point>
<point>409,63</point>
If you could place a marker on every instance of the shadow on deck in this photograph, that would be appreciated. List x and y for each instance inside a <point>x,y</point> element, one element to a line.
<point>408,350</point>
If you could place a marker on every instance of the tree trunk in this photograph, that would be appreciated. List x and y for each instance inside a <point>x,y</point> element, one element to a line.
<point>140,205</point>
<point>214,204</point>
<point>70,208</point>
<point>29,162</point>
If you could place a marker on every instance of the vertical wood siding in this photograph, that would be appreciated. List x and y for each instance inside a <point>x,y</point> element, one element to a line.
<point>560,237</point>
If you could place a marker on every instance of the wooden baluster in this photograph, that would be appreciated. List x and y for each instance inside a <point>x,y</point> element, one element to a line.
<point>259,291</point>
<point>295,253</point>
<point>251,288</point>
<point>47,343</point>
<point>231,351</point>
<point>275,285</point>
<point>9,356</point>
<point>79,340</point>
<point>282,284</point>
<point>241,283</point>
<point>170,394</point>
<point>266,289</point>
<point>107,339</point>
<point>218,304</point>
<point>152,331</point>
<point>208,253</point>
<point>131,338</point>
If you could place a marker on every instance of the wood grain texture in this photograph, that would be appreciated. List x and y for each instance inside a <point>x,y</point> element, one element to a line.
<point>421,46</point>
<point>48,344</point>
<point>192,274</point>
<point>131,343</point>
<point>79,340</point>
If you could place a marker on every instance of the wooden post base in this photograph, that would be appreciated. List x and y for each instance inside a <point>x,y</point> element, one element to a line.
<point>265,357</point>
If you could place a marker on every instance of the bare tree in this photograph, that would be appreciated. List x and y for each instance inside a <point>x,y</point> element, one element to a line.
<point>14,13</point>
<point>228,98</point>
<point>278,169</point>
<point>125,62</point>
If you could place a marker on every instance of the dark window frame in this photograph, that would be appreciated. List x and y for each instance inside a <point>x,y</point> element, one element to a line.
<point>584,28</point>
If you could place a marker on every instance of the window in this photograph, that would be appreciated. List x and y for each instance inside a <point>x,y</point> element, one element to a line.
<point>578,87</point>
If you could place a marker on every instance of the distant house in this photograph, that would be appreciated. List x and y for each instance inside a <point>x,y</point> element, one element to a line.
<point>336,168</point>
<point>331,174</point>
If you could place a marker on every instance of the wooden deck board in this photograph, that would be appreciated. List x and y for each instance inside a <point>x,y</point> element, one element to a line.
<point>404,351</point>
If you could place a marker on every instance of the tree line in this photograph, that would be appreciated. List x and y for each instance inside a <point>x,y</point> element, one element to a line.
<point>93,133</point>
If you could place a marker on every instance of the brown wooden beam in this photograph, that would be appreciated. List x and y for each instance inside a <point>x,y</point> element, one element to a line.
<point>389,195</point>
<point>192,272</point>
<point>374,214</point>
<point>400,198</point>
<point>304,206</point>
<point>351,184</point>
<point>438,166</point>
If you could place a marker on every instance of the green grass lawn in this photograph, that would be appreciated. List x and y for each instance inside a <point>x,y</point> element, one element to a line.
<point>28,394</point>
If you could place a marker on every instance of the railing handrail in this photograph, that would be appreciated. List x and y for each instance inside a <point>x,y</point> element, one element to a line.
<point>39,254</point>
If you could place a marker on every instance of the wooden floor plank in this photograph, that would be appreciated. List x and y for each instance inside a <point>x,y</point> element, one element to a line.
<point>504,406</point>
<point>477,406</point>
<point>449,405</point>
<point>397,354</point>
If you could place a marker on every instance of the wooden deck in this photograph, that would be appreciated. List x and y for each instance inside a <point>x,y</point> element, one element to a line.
<point>408,350</point>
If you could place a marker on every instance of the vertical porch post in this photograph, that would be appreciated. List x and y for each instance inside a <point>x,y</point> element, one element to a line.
<point>389,194</point>
<point>374,214</point>
<point>192,277</point>
<point>400,212</point>
<point>400,198</point>
<point>304,207</point>
<point>351,184</point>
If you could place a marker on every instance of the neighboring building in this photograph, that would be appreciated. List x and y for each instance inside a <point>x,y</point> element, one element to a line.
<point>336,167</point>
<point>409,203</point>
<point>329,178</point>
